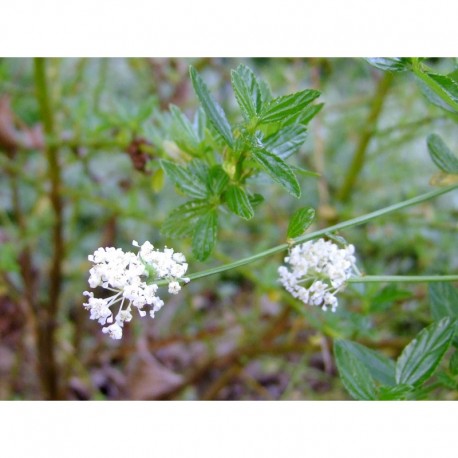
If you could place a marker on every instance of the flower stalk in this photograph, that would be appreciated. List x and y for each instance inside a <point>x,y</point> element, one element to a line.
<point>329,230</point>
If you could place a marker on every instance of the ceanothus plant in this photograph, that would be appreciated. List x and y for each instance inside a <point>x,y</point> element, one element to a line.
<point>215,173</point>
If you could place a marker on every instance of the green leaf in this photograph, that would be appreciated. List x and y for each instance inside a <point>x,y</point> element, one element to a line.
<point>204,238</point>
<point>305,172</point>
<point>286,141</point>
<point>183,219</point>
<point>443,299</point>
<point>281,108</point>
<point>186,179</point>
<point>441,154</point>
<point>354,374</point>
<point>278,170</point>
<point>247,91</point>
<point>379,366</point>
<point>302,117</point>
<point>447,84</point>
<point>212,109</point>
<point>309,113</point>
<point>394,393</point>
<point>266,93</point>
<point>183,132</point>
<point>453,365</point>
<point>238,202</point>
<point>217,180</point>
<point>440,90</point>
<point>391,64</point>
<point>300,221</point>
<point>421,357</point>
<point>199,171</point>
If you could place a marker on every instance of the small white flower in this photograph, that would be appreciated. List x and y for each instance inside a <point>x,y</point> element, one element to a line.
<point>131,277</point>
<point>124,316</point>
<point>174,287</point>
<point>98,307</point>
<point>319,269</point>
<point>114,331</point>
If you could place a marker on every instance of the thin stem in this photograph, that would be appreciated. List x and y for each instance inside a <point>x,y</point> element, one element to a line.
<point>357,161</point>
<point>48,325</point>
<point>313,235</point>
<point>402,278</point>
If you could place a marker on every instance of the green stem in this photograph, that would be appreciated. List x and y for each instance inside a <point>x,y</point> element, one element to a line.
<point>47,323</point>
<point>313,235</point>
<point>357,162</point>
<point>402,278</point>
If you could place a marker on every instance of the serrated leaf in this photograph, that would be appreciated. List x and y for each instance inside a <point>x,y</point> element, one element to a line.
<point>247,91</point>
<point>190,183</point>
<point>379,366</point>
<point>391,64</point>
<point>420,358</point>
<point>278,170</point>
<point>199,171</point>
<point>266,93</point>
<point>204,238</point>
<point>300,221</point>
<point>447,84</point>
<point>212,109</point>
<point>441,154</point>
<point>238,202</point>
<point>281,108</point>
<point>286,141</point>
<point>182,131</point>
<point>447,87</point>
<point>302,117</point>
<point>309,113</point>
<point>353,373</point>
<point>217,180</point>
<point>182,220</point>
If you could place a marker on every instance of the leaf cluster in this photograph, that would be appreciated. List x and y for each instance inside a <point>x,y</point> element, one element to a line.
<point>220,157</point>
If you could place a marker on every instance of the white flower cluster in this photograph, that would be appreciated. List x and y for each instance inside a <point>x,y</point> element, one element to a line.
<point>319,270</point>
<point>131,277</point>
